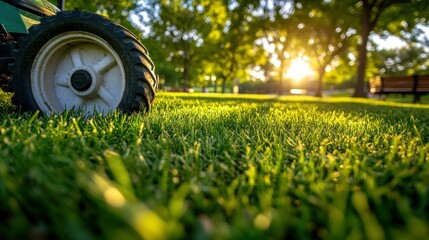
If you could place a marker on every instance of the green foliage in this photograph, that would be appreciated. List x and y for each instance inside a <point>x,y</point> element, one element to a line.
<point>183,30</point>
<point>379,15</point>
<point>192,41</point>
<point>221,167</point>
<point>201,39</point>
<point>405,61</point>
<point>117,10</point>
<point>403,18</point>
<point>281,36</point>
<point>236,50</point>
<point>340,76</point>
<point>329,34</point>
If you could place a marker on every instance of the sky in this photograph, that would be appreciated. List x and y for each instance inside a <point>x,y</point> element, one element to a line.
<point>394,42</point>
<point>389,43</point>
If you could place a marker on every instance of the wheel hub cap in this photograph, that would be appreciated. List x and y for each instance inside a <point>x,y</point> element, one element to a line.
<point>78,70</point>
<point>81,80</point>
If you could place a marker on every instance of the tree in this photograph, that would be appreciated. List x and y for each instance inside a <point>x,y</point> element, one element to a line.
<point>381,15</point>
<point>405,61</point>
<point>340,77</point>
<point>326,33</point>
<point>203,39</point>
<point>236,50</point>
<point>182,29</point>
<point>279,26</point>
<point>118,11</point>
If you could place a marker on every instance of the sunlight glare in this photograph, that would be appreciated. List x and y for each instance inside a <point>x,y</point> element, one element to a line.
<point>299,69</point>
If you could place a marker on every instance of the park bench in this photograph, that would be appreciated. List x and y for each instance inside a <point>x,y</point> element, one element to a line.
<point>416,85</point>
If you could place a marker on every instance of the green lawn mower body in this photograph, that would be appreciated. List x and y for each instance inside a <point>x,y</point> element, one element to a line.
<point>19,16</point>
<point>55,61</point>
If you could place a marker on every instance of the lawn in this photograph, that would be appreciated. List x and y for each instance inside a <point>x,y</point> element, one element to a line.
<point>218,167</point>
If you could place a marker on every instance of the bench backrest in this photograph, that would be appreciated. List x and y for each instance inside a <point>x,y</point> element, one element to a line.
<point>423,83</point>
<point>403,84</point>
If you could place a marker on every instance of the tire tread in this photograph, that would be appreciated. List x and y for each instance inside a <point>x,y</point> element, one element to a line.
<point>143,80</point>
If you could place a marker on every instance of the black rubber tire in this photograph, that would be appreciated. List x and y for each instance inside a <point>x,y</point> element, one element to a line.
<point>141,82</point>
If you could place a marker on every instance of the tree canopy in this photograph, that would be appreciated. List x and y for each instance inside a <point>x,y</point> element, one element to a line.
<point>199,43</point>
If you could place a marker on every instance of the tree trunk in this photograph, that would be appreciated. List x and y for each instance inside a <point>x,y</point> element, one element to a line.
<point>320,76</point>
<point>186,68</point>
<point>281,71</point>
<point>185,77</point>
<point>362,56</point>
<point>227,76</point>
<point>223,85</point>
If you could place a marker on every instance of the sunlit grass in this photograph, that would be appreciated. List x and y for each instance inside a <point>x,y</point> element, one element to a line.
<point>219,166</point>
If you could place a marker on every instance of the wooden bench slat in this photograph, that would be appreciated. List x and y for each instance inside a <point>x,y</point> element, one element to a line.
<point>397,89</point>
<point>423,89</point>
<point>401,84</point>
<point>422,84</point>
<point>423,78</point>
<point>398,83</point>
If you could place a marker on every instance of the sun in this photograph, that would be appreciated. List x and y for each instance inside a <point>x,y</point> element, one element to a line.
<point>299,69</point>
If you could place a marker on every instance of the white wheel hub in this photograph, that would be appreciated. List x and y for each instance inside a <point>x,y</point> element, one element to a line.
<point>80,71</point>
<point>84,81</point>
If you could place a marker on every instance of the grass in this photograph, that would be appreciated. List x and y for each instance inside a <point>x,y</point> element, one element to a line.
<point>404,98</point>
<point>219,167</point>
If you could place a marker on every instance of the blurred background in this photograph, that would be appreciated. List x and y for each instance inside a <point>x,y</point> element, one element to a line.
<point>312,47</point>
